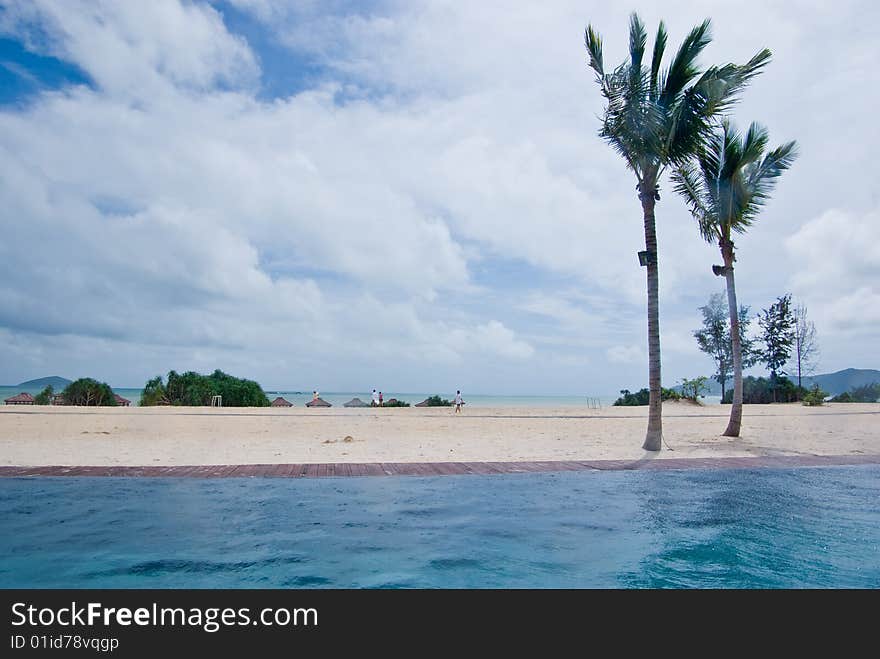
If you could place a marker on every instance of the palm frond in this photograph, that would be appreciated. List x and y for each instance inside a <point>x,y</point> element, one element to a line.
<point>657,58</point>
<point>760,179</point>
<point>654,117</point>
<point>720,86</point>
<point>688,183</point>
<point>754,144</point>
<point>730,179</point>
<point>684,68</point>
<point>593,42</point>
<point>638,37</point>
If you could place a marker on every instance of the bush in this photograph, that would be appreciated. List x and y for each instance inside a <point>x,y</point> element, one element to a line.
<point>45,396</point>
<point>436,401</point>
<point>154,393</point>
<point>761,390</point>
<point>814,396</point>
<point>87,391</point>
<point>193,389</point>
<point>693,389</point>
<point>868,393</point>
<point>393,402</point>
<point>642,397</point>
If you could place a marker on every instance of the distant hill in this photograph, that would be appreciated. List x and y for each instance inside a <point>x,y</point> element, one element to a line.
<point>841,381</point>
<point>58,383</point>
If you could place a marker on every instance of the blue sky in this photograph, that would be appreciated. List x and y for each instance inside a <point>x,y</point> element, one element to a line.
<point>401,195</point>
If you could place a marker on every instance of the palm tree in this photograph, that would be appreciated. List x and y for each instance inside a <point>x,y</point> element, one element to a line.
<point>654,118</point>
<point>725,188</point>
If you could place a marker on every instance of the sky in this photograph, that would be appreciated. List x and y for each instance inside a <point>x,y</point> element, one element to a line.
<point>410,196</point>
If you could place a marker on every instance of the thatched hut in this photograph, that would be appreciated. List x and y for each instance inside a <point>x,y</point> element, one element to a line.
<point>23,398</point>
<point>120,401</point>
<point>281,402</point>
<point>356,402</point>
<point>318,402</point>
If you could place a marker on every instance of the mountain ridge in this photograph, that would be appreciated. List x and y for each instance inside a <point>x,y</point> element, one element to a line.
<point>56,381</point>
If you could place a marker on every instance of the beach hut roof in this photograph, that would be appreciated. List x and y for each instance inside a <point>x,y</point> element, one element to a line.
<point>318,402</point>
<point>120,400</point>
<point>23,397</point>
<point>356,402</point>
<point>281,402</point>
<point>424,403</point>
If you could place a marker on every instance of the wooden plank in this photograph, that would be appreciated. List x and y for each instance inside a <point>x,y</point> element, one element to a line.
<point>316,470</point>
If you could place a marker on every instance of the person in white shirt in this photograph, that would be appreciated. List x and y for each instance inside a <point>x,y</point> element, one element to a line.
<point>458,402</point>
<point>375,399</point>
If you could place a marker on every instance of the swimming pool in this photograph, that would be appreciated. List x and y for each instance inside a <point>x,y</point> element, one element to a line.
<point>731,528</point>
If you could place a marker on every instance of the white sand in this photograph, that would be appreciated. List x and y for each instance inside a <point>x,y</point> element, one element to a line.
<point>37,436</point>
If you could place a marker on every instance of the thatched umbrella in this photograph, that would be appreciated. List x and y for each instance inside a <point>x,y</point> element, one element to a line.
<point>318,402</point>
<point>281,402</point>
<point>356,402</point>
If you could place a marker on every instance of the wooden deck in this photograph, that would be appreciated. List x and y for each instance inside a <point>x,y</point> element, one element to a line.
<point>348,469</point>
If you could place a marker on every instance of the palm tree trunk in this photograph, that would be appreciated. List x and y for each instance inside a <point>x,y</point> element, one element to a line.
<point>736,409</point>
<point>654,435</point>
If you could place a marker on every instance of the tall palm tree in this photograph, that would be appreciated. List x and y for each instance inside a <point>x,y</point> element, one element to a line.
<point>656,117</point>
<point>725,187</point>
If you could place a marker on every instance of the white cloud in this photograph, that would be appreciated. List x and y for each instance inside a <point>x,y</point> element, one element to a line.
<point>136,48</point>
<point>625,355</point>
<point>334,234</point>
<point>837,257</point>
<point>492,337</point>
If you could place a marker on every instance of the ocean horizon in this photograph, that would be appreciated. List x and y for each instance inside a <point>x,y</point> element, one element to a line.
<point>337,398</point>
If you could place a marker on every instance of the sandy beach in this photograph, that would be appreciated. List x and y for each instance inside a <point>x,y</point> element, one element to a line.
<point>42,436</point>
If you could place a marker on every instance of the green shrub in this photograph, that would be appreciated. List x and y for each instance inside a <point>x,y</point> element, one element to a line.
<point>87,391</point>
<point>868,393</point>
<point>642,397</point>
<point>393,402</point>
<point>45,396</point>
<point>193,389</point>
<point>693,389</point>
<point>436,401</point>
<point>761,390</point>
<point>814,396</point>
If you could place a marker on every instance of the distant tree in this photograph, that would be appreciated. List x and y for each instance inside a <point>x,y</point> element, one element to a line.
<point>868,393</point>
<point>87,391</point>
<point>693,389</point>
<point>154,393</point>
<point>656,117</point>
<point>814,396</point>
<point>642,397</point>
<point>714,338</point>
<point>764,390</point>
<point>806,349</point>
<point>45,396</point>
<point>777,324</point>
<point>194,389</point>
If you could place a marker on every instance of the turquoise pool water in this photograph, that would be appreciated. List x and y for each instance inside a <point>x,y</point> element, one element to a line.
<point>773,528</point>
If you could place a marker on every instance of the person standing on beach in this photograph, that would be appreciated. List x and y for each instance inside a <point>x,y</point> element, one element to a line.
<point>314,395</point>
<point>381,400</point>
<point>458,402</point>
<point>375,402</point>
